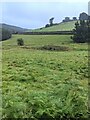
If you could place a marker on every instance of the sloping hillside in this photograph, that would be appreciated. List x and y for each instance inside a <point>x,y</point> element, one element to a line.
<point>12,29</point>
<point>65,26</point>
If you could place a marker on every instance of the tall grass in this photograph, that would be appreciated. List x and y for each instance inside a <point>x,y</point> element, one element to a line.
<point>45,85</point>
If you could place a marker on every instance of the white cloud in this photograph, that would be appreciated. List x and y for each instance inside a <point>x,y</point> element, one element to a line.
<point>86,1</point>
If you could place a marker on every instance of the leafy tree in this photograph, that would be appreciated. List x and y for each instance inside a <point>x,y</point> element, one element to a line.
<point>88,35</point>
<point>51,21</point>
<point>20,42</point>
<point>5,34</point>
<point>83,16</point>
<point>80,32</point>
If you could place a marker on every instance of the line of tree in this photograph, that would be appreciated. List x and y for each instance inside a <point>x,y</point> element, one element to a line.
<point>81,33</point>
<point>67,19</point>
<point>82,16</point>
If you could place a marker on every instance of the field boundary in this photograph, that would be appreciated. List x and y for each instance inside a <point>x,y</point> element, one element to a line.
<point>49,33</point>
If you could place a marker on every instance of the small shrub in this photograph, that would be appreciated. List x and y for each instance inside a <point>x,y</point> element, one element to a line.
<point>47,25</point>
<point>20,42</point>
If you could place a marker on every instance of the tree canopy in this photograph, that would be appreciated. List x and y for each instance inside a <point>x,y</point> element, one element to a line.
<point>81,31</point>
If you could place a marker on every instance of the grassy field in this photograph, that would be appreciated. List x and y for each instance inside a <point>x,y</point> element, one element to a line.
<point>66,26</point>
<point>42,84</point>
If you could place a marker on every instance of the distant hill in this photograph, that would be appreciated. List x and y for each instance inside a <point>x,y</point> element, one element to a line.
<point>64,26</point>
<point>12,29</point>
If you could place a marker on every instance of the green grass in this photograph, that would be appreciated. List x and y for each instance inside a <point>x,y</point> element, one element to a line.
<point>41,84</point>
<point>66,26</point>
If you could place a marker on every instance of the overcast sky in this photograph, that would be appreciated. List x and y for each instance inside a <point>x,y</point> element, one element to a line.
<point>37,14</point>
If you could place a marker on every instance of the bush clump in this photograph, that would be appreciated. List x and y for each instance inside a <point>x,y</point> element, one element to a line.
<point>54,48</point>
<point>20,42</point>
<point>5,34</point>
